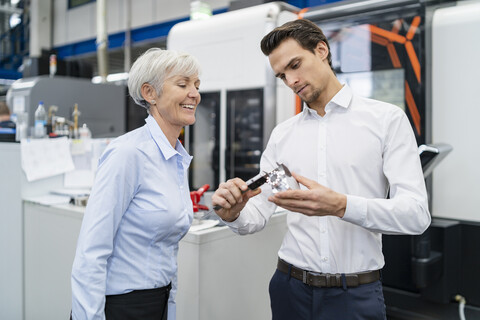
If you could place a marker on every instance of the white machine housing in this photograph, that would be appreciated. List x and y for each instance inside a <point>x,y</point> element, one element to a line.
<point>456,110</point>
<point>228,49</point>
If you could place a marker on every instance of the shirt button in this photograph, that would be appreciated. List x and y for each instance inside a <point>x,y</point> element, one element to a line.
<point>325,259</point>
<point>322,230</point>
<point>322,174</point>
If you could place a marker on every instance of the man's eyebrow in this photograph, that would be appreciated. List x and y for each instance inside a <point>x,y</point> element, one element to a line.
<point>287,66</point>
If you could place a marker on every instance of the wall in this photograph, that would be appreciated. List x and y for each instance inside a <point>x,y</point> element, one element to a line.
<point>79,24</point>
<point>74,31</point>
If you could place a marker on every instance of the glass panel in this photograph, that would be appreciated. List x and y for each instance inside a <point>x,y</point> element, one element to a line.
<point>244,133</point>
<point>383,59</point>
<point>383,85</point>
<point>204,143</point>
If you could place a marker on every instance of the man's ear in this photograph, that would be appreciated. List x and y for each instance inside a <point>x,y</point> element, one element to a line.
<point>148,92</point>
<point>322,50</point>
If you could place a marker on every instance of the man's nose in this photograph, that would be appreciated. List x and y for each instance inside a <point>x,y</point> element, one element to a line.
<point>291,80</point>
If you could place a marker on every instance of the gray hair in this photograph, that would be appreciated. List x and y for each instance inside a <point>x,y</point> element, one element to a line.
<point>154,67</point>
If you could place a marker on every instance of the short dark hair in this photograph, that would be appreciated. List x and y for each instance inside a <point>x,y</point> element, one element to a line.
<point>305,32</point>
<point>4,110</point>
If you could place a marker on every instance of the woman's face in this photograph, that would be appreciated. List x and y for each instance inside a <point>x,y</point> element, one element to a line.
<point>177,104</point>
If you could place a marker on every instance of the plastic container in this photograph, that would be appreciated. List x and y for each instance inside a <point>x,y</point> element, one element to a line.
<point>85,132</point>
<point>22,126</point>
<point>40,128</point>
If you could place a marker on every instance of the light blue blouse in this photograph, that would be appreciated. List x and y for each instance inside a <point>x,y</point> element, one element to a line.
<point>138,211</point>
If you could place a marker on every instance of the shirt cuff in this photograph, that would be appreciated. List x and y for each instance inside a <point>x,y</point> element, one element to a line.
<point>356,211</point>
<point>172,311</point>
<point>237,223</point>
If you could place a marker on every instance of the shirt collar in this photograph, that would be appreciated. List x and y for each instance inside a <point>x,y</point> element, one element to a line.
<point>341,99</point>
<point>162,142</point>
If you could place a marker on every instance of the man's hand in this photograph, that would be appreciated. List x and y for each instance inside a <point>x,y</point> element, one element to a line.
<point>232,196</point>
<point>316,201</point>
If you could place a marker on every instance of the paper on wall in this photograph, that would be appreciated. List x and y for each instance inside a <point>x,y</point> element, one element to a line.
<point>42,158</point>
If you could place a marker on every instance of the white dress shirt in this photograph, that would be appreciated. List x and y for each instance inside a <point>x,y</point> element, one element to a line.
<point>138,211</point>
<point>358,148</point>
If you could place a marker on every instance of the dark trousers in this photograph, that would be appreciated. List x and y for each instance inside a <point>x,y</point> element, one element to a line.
<point>291,299</point>
<point>151,304</point>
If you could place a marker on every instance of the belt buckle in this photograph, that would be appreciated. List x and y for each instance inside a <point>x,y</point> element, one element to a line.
<point>333,280</point>
<point>304,277</point>
<point>327,280</point>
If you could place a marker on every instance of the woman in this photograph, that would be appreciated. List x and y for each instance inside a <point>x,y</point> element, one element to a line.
<point>140,207</point>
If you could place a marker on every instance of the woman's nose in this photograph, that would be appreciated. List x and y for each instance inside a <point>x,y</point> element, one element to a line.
<point>193,92</point>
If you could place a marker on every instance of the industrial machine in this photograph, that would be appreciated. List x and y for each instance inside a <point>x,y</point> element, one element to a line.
<point>419,55</point>
<point>396,51</point>
<point>241,99</point>
<point>102,106</point>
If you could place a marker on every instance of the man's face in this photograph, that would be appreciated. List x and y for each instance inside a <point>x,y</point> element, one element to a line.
<point>303,71</point>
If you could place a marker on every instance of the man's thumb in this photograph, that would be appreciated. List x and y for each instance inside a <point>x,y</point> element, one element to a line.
<point>305,181</point>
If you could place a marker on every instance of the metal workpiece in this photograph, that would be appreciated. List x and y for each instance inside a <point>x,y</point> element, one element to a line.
<point>281,179</point>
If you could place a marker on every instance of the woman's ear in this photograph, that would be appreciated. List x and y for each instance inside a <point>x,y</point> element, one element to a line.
<point>322,50</point>
<point>148,93</point>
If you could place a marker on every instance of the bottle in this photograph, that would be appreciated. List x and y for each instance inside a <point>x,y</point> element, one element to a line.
<point>40,121</point>
<point>53,64</point>
<point>85,132</point>
<point>21,126</point>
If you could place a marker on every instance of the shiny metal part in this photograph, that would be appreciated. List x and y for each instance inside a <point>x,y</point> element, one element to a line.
<point>281,179</point>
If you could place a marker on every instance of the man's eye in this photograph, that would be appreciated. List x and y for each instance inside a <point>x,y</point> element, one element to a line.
<point>295,65</point>
<point>181,85</point>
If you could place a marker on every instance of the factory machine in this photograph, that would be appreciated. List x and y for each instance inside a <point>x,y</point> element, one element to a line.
<point>419,55</point>
<point>101,106</point>
<point>241,99</point>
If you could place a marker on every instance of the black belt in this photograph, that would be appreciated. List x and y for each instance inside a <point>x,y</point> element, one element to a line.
<point>327,280</point>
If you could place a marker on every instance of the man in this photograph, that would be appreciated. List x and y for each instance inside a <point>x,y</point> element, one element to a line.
<point>5,121</point>
<point>347,153</point>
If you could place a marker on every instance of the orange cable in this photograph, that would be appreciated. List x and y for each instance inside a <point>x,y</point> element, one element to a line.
<point>387,34</point>
<point>379,40</point>
<point>393,55</point>
<point>301,13</point>
<point>390,48</point>
<point>413,59</point>
<point>413,28</point>
<point>412,107</point>
<point>298,104</point>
